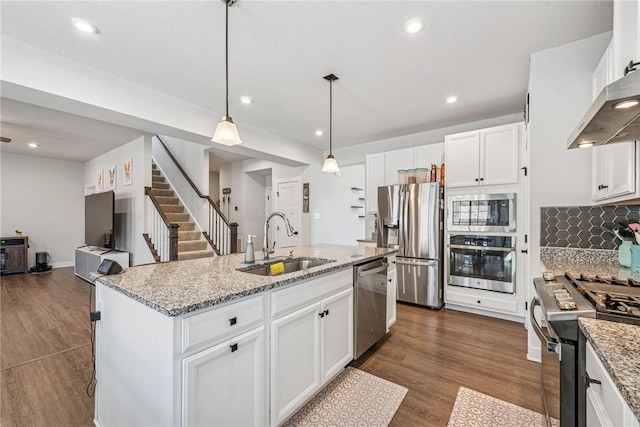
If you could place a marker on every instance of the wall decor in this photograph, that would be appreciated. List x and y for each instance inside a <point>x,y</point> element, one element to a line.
<point>111,178</point>
<point>128,172</point>
<point>305,197</point>
<point>100,180</point>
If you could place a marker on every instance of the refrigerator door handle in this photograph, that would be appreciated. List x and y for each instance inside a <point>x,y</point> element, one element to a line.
<point>404,212</point>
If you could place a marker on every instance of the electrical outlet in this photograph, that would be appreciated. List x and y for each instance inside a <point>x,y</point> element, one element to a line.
<point>316,216</point>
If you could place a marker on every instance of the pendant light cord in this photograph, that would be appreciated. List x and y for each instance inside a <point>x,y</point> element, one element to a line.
<point>330,115</point>
<point>226,54</point>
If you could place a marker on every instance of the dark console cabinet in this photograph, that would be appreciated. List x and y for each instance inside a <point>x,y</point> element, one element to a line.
<point>13,254</point>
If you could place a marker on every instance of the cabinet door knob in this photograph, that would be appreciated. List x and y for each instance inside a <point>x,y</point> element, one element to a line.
<point>233,321</point>
<point>233,347</point>
<point>321,314</point>
<point>477,180</point>
<point>481,179</point>
<point>389,280</point>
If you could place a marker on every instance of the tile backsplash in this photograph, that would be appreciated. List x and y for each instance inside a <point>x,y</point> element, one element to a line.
<point>584,227</point>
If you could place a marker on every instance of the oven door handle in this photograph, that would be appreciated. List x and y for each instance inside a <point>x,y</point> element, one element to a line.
<point>550,342</point>
<point>482,248</point>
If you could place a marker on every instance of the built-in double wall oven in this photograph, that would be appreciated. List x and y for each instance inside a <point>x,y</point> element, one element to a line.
<point>479,257</point>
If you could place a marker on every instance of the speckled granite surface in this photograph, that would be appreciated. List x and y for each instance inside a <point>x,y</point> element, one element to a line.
<point>179,287</point>
<point>617,347</point>
<point>587,261</point>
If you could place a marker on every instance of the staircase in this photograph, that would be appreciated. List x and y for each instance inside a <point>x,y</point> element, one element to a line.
<point>191,243</point>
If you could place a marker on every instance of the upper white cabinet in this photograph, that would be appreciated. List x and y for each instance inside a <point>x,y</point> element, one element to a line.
<point>382,168</point>
<point>626,34</point>
<point>483,157</point>
<point>613,165</point>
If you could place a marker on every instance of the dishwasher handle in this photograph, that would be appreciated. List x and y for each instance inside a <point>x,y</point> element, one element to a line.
<point>372,271</point>
<point>550,342</point>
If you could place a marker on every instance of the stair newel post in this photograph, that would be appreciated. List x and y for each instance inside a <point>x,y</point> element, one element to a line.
<point>234,237</point>
<point>173,242</point>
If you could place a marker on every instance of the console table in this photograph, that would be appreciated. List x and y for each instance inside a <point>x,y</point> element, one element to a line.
<point>87,260</point>
<point>13,254</point>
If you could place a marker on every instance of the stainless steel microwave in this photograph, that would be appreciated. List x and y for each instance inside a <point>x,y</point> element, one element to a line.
<point>482,212</point>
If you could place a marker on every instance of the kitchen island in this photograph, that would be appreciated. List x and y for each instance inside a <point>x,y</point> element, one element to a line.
<point>200,342</point>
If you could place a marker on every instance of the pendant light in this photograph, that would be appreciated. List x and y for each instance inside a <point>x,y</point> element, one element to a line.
<point>226,132</point>
<point>330,165</point>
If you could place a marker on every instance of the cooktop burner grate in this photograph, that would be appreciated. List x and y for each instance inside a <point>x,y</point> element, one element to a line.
<point>609,295</point>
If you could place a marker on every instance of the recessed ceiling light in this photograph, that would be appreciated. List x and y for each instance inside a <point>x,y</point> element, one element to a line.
<point>33,145</point>
<point>319,132</point>
<point>452,99</point>
<point>414,25</point>
<point>84,26</point>
<point>246,100</point>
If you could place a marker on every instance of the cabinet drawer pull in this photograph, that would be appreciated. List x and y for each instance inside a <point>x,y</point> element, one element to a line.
<point>233,321</point>
<point>233,347</point>
<point>588,380</point>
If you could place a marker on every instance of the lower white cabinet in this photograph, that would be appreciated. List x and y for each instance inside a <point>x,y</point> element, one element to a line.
<point>308,348</point>
<point>392,291</point>
<point>250,362</point>
<point>605,405</point>
<point>226,385</point>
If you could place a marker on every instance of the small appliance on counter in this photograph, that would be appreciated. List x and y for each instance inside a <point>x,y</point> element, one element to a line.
<point>42,263</point>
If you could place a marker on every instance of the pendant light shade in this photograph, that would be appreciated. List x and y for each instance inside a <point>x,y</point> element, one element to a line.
<point>330,164</point>
<point>226,132</point>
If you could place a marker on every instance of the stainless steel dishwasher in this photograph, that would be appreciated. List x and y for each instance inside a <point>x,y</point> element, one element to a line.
<point>370,287</point>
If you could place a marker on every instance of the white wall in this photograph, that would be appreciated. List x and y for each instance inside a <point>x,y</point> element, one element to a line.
<point>130,199</point>
<point>560,88</point>
<point>214,185</point>
<point>43,198</point>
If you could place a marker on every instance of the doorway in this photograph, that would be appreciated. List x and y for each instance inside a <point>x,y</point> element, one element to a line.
<point>288,200</point>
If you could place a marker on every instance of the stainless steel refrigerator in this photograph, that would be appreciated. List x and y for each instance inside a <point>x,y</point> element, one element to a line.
<point>411,220</point>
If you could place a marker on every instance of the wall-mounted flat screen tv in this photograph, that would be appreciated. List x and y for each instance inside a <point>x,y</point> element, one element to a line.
<point>99,220</point>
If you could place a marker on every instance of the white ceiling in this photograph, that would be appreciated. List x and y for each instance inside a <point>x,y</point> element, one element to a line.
<point>391,82</point>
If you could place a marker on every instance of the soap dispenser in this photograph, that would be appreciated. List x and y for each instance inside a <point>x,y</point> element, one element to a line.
<point>249,255</point>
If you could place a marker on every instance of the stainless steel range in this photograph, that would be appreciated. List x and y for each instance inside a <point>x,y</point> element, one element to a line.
<point>562,301</point>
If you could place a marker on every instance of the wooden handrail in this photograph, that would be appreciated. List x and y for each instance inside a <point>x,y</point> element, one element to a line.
<point>148,192</point>
<point>193,185</point>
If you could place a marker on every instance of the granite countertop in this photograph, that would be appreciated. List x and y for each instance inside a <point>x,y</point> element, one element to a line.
<point>587,261</point>
<point>616,345</point>
<point>179,287</point>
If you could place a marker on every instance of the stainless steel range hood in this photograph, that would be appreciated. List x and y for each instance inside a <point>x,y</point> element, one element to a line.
<point>606,122</point>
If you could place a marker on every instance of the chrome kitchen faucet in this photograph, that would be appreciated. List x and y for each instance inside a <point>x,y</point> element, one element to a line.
<point>265,244</point>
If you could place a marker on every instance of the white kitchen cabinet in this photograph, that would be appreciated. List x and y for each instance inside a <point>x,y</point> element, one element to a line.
<point>605,405</point>
<point>483,157</point>
<point>374,178</point>
<point>626,34</point>
<point>310,344</point>
<point>604,72</point>
<point>225,385</point>
<point>481,301</point>
<point>613,171</point>
<point>392,291</point>
<point>382,168</point>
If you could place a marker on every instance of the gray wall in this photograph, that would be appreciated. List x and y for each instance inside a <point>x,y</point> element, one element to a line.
<point>44,199</point>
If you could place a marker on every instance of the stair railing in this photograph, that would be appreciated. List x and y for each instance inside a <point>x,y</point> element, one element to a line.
<point>161,235</point>
<point>221,234</point>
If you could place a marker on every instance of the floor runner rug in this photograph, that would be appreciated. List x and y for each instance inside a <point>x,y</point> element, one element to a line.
<point>473,408</point>
<point>353,398</point>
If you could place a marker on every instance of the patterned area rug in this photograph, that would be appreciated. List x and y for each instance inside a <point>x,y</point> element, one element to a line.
<point>353,398</point>
<point>473,408</point>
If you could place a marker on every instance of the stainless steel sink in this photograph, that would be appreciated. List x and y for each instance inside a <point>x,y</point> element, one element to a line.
<point>290,265</point>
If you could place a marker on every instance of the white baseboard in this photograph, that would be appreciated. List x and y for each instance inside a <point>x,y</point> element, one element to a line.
<point>62,264</point>
<point>534,354</point>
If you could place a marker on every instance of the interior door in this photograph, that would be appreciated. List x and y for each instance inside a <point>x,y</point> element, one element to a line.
<point>289,202</point>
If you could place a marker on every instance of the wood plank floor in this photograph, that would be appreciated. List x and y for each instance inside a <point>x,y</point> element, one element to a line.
<point>46,356</point>
<point>45,350</point>
<point>433,353</point>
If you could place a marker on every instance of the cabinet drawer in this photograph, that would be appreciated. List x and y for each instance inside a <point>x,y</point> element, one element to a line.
<point>218,322</point>
<point>298,295</point>
<point>606,394</point>
<point>481,301</point>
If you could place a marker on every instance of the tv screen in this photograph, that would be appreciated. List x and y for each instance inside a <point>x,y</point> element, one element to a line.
<point>99,216</point>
